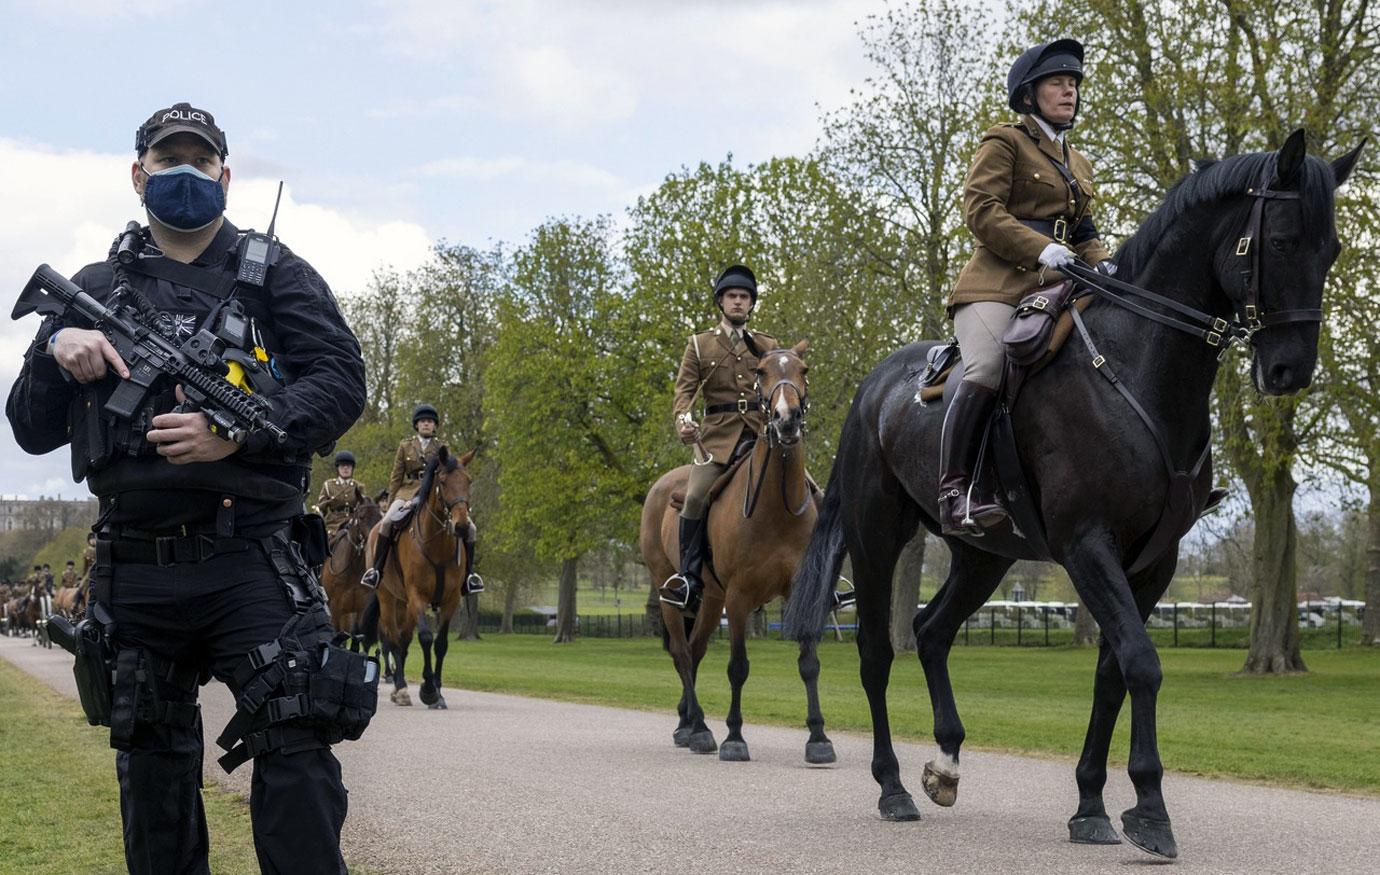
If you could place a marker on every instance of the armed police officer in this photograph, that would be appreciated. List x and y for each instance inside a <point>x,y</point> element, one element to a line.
<point>196,574</point>
<point>1028,201</point>
<point>719,364</point>
<point>403,484</point>
<point>341,494</point>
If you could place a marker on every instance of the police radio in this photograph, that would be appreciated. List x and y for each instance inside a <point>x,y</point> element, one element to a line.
<point>258,252</point>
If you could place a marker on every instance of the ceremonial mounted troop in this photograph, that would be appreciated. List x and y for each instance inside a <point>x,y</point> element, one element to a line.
<point>719,367</point>
<point>341,494</point>
<point>409,464</point>
<point>1028,201</point>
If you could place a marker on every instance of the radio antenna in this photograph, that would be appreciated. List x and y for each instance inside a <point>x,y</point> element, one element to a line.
<point>273,221</point>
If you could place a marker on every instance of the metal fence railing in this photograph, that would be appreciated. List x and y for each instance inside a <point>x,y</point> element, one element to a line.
<point>1330,623</point>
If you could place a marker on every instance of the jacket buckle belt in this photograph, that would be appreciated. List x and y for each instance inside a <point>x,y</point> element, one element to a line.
<point>742,405</point>
<point>1061,230</point>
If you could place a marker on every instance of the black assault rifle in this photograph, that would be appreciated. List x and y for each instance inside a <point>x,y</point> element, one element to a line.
<point>196,364</point>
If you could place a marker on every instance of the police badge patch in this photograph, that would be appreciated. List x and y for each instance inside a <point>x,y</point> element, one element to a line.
<point>177,325</point>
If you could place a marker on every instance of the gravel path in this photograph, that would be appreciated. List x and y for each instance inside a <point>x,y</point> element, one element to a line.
<point>508,784</point>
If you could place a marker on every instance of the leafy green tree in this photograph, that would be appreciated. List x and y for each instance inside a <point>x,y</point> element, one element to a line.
<point>559,471</point>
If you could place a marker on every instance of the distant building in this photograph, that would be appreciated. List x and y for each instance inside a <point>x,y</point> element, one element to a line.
<point>48,514</point>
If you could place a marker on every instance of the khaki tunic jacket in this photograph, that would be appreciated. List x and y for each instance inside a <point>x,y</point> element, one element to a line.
<point>725,371</point>
<point>69,577</point>
<point>339,497</point>
<point>408,465</point>
<point>1013,177</point>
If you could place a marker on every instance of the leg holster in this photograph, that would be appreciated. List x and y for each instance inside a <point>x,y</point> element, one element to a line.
<point>150,690</point>
<point>298,692</point>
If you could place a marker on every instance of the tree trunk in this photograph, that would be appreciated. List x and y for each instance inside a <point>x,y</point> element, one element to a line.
<point>1274,590</point>
<point>1084,627</point>
<point>1370,632</point>
<point>905,593</point>
<point>651,612</point>
<point>509,605</point>
<point>565,605</point>
<point>468,618</point>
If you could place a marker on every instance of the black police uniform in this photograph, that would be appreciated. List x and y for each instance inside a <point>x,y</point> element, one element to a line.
<point>195,565</point>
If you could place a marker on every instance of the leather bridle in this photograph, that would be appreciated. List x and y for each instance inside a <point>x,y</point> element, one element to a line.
<point>773,437</point>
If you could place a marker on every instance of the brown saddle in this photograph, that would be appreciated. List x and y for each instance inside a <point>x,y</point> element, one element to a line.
<point>740,454</point>
<point>1063,327</point>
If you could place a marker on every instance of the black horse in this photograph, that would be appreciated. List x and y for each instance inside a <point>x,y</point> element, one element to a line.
<point>1096,471</point>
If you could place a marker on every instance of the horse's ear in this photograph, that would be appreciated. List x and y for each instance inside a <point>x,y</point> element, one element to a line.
<point>465,459</point>
<point>1342,167</point>
<point>800,347</point>
<point>1289,161</point>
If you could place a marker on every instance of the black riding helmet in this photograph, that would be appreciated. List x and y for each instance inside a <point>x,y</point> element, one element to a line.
<point>424,411</point>
<point>735,277</point>
<point>1063,56</point>
<point>344,457</point>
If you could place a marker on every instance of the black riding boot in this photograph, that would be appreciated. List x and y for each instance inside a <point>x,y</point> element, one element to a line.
<point>963,510</point>
<point>371,577</point>
<point>473,582</point>
<point>684,590</point>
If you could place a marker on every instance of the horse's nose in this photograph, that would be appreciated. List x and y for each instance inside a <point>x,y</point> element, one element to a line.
<point>1280,378</point>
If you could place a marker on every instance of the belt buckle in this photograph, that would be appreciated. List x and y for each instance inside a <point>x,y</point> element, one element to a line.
<point>742,405</point>
<point>1061,230</point>
<point>1040,302</point>
<point>165,551</point>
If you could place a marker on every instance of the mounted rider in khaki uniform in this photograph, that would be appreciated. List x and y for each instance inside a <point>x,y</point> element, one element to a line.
<point>1027,200</point>
<point>719,364</point>
<point>408,467</point>
<point>341,494</point>
<point>69,574</point>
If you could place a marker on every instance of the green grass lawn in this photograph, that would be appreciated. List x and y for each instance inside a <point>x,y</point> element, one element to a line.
<point>60,798</point>
<point>1318,730</point>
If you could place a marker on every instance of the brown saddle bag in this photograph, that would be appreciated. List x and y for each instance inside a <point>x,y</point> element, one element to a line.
<point>1027,336</point>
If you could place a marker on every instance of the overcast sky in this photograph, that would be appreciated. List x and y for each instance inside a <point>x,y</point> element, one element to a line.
<point>394,124</point>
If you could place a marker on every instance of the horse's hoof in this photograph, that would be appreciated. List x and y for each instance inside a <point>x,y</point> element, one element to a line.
<point>820,753</point>
<point>1094,829</point>
<point>681,736</point>
<point>702,742</point>
<point>400,697</point>
<point>428,693</point>
<point>898,807</point>
<point>941,788</point>
<point>734,752</point>
<point>1152,836</point>
<point>439,704</point>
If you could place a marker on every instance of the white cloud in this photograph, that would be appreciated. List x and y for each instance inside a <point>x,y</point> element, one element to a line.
<point>566,173</point>
<point>585,63</point>
<point>64,208</point>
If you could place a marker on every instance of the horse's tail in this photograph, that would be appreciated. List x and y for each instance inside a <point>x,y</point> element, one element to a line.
<point>812,590</point>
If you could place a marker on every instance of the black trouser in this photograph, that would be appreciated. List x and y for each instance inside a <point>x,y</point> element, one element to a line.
<point>207,616</point>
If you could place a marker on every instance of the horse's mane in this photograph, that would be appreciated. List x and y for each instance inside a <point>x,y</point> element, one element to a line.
<point>1228,178</point>
<point>443,460</point>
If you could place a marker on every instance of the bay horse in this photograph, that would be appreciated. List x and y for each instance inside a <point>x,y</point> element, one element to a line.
<point>1096,468</point>
<point>25,607</point>
<point>70,601</point>
<point>757,528</point>
<point>425,574</point>
<point>345,565</point>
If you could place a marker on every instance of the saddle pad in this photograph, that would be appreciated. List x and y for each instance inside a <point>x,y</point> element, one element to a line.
<point>1062,329</point>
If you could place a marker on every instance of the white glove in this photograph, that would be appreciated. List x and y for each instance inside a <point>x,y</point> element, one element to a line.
<point>1107,268</point>
<point>1057,255</point>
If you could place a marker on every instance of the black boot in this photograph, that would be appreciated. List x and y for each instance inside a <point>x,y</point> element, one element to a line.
<point>371,577</point>
<point>473,582</point>
<point>962,509</point>
<point>686,589</point>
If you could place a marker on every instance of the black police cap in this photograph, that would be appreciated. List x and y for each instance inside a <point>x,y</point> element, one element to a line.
<point>178,119</point>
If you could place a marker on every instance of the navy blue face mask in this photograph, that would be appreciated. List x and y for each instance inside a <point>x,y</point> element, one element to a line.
<point>183,198</point>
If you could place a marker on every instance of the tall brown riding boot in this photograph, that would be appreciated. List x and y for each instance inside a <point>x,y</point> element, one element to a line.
<point>963,510</point>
